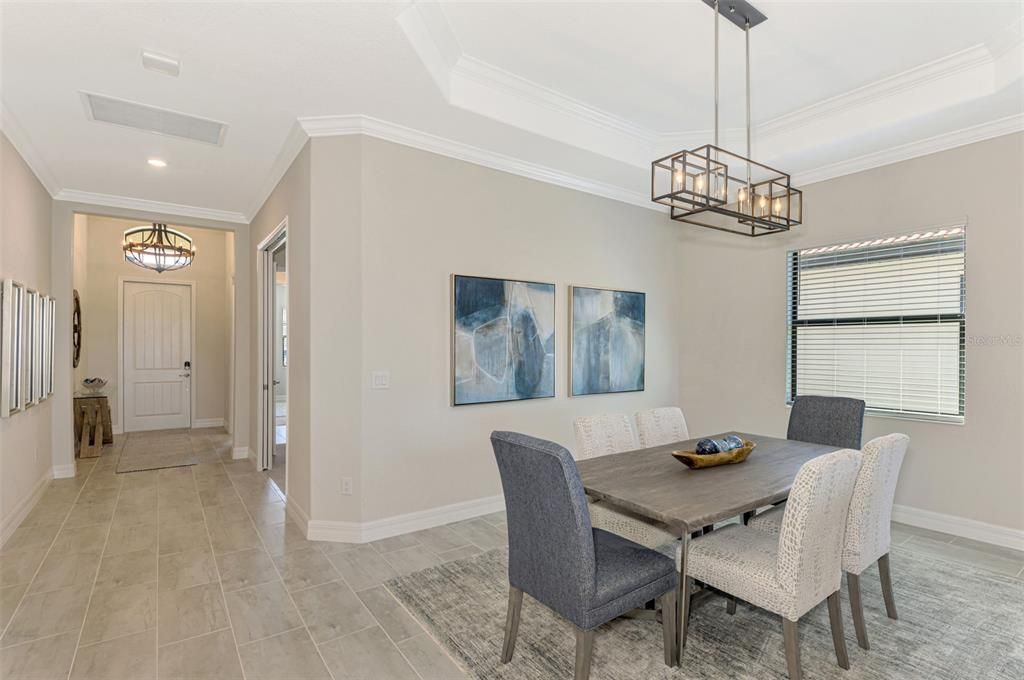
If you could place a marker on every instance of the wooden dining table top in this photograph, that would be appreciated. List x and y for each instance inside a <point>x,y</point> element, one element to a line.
<point>651,483</point>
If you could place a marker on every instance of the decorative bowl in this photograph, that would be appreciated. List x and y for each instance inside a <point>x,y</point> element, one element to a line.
<point>696,461</point>
<point>94,385</point>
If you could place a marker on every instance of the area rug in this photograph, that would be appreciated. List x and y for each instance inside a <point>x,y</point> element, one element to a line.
<point>956,622</point>
<point>153,451</point>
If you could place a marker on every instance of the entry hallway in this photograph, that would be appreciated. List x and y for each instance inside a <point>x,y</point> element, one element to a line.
<point>193,572</point>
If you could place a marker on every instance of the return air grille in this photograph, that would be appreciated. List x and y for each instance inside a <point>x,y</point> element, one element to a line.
<point>153,119</point>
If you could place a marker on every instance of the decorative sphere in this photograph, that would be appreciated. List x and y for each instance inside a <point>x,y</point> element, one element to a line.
<point>706,447</point>
<point>734,442</point>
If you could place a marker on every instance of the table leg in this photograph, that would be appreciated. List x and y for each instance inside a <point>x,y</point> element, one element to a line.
<point>682,597</point>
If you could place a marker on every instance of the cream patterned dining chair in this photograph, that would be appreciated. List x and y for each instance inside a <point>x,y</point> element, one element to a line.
<point>793,572</point>
<point>603,435</point>
<point>661,426</point>
<point>868,536</point>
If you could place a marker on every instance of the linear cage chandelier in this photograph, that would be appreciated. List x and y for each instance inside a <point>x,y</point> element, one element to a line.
<point>712,187</point>
<point>158,248</point>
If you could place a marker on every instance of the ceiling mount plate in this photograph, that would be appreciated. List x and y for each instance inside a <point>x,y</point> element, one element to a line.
<point>738,12</point>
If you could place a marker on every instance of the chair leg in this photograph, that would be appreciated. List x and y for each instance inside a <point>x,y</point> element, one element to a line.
<point>886,577</point>
<point>731,607</point>
<point>515,606</point>
<point>747,516</point>
<point>853,583</point>
<point>792,639</point>
<point>684,611</point>
<point>584,652</point>
<point>835,617</point>
<point>668,626</point>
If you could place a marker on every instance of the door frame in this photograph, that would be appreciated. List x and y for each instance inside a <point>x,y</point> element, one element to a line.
<point>121,280</point>
<point>264,395</point>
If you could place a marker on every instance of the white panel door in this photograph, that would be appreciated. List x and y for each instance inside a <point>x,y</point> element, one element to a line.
<point>157,344</point>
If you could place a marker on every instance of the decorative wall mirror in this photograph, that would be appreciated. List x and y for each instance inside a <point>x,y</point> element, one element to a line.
<point>48,339</point>
<point>76,330</point>
<point>11,348</point>
<point>30,344</point>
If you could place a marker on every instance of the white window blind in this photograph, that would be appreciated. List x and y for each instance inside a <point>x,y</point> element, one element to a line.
<point>881,320</point>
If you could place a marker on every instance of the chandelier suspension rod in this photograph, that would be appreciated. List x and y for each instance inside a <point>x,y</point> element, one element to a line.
<point>716,72</point>
<point>746,35</point>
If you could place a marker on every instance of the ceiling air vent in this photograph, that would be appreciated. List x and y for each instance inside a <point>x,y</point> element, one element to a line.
<point>153,119</point>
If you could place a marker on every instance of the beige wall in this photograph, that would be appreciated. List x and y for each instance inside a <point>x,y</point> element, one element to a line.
<point>453,217</point>
<point>733,303</point>
<point>25,438</point>
<point>289,199</point>
<point>105,266</point>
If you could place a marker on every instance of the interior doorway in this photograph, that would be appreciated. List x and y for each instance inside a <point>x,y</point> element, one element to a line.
<point>273,275</point>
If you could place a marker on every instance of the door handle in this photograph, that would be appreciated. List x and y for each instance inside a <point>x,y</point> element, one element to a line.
<point>184,375</point>
<point>277,382</point>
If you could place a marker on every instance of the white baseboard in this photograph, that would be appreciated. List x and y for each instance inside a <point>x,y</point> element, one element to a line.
<point>64,471</point>
<point>116,428</point>
<point>200,423</point>
<point>296,514</point>
<point>959,526</point>
<point>240,452</point>
<point>364,532</point>
<point>20,512</point>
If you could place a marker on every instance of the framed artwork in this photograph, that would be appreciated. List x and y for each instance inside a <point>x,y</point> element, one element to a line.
<point>76,330</point>
<point>608,340</point>
<point>503,340</point>
<point>30,339</point>
<point>48,309</point>
<point>12,371</point>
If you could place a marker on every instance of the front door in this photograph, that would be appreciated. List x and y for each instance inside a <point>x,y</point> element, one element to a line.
<point>157,356</point>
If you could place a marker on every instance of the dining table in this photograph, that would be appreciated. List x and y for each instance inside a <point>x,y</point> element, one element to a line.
<point>653,485</point>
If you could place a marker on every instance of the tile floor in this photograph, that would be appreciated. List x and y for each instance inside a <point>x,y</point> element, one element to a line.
<point>195,573</point>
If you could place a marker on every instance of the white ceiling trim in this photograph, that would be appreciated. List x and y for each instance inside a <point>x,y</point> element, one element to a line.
<point>293,144</point>
<point>325,126</point>
<point>142,204</point>
<point>904,152</point>
<point>16,134</point>
<point>474,85</point>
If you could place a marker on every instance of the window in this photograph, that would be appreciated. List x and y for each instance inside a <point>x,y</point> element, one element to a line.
<point>881,320</point>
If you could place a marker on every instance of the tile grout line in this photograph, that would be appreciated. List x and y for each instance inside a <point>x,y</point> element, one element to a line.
<point>216,565</point>
<point>96,577</point>
<point>283,584</point>
<point>424,631</point>
<point>53,542</point>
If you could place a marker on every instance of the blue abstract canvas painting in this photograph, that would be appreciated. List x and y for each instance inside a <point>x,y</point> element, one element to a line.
<point>503,340</point>
<point>608,344</point>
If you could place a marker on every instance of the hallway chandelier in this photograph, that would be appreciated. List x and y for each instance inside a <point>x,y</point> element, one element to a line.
<point>158,248</point>
<point>715,188</point>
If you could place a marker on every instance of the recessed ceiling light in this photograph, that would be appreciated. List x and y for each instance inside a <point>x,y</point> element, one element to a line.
<point>157,163</point>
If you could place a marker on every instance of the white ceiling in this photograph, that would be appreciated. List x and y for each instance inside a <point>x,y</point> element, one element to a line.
<point>582,94</point>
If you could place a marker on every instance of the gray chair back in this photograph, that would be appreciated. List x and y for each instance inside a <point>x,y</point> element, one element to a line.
<point>832,421</point>
<point>550,538</point>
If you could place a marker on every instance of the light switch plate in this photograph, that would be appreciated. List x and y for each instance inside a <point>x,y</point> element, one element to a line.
<point>380,380</point>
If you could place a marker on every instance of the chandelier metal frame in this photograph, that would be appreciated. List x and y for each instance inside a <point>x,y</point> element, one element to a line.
<point>716,188</point>
<point>158,247</point>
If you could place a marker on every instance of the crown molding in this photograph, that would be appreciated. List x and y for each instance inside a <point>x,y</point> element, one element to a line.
<point>12,129</point>
<point>142,204</point>
<point>325,126</point>
<point>293,144</point>
<point>923,147</point>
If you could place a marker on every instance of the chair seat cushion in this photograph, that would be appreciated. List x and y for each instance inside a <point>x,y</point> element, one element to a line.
<point>604,516</point>
<point>628,576</point>
<point>742,561</point>
<point>770,521</point>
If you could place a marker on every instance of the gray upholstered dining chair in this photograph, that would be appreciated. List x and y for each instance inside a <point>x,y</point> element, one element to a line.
<point>589,576</point>
<point>793,572</point>
<point>659,426</point>
<point>833,421</point>
<point>602,435</point>
<point>868,536</point>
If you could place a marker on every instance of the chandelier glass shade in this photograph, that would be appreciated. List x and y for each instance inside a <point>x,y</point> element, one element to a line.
<point>712,187</point>
<point>158,247</point>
